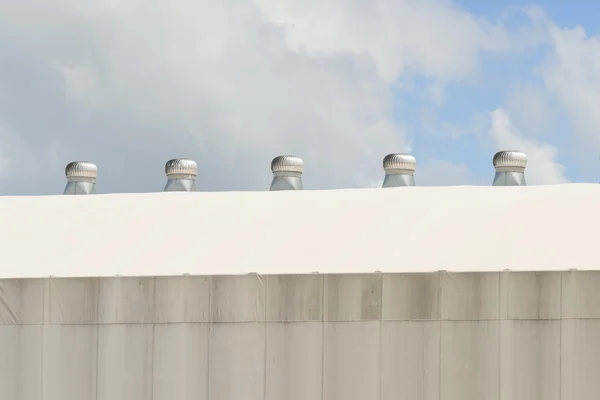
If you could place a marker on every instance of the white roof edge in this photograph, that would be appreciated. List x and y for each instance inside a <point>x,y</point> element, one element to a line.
<point>409,229</point>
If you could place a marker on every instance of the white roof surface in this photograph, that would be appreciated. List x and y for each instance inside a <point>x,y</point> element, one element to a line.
<point>409,229</point>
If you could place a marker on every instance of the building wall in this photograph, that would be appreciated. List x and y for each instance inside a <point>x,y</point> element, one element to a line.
<point>437,336</point>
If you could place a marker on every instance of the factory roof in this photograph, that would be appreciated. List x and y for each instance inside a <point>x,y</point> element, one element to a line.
<point>408,229</point>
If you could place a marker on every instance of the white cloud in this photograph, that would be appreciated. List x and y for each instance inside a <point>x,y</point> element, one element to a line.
<point>445,173</point>
<point>129,84</point>
<point>435,37</point>
<point>4,152</point>
<point>542,168</point>
<point>428,120</point>
<point>436,91</point>
<point>530,109</point>
<point>479,125</point>
<point>571,76</point>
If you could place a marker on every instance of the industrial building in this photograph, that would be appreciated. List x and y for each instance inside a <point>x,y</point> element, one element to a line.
<point>401,292</point>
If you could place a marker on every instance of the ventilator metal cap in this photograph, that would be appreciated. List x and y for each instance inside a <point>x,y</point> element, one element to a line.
<point>181,166</point>
<point>399,162</point>
<point>510,168</point>
<point>510,160</point>
<point>287,173</point>
<point>181,175</point>
<point>399,170</point>
<point>81,169</point>
<point>81,177</point>
<point>287,164</point>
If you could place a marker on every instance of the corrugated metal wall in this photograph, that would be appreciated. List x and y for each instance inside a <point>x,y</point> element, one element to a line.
<point>442,336</point>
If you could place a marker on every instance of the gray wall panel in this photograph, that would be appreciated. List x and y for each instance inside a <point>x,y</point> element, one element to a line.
<point>410,360</point>
<point>180,361</point>
<point>70,361</point>
<point>237,361</point>
<point>353,297</point>
<point>71,301</point>
<point>126,300</point>
<point>22,301</point>
<point>352,362</point>
<point>580,375</point>
<point>182,299</point>
<point>530,360</point>
<point>442,336</point>
<point>125,362</point>
<point>470,360</point>
<point>294,361</point>
<point>580,294</point>
<point>530,295</point>
<point>294,297</point>
<point>470,296</point>
<point>21,362</point>
<point>237,298</point>
<point>411,297</point>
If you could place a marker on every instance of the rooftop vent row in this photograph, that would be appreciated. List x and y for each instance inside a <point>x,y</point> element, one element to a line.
<point>287,173</point>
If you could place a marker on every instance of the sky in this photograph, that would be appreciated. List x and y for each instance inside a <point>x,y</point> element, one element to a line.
<point>130,84</point>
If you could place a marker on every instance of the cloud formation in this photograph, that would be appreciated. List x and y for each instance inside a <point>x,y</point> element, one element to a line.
<point>435,37</point>
<point>542,167</point>
<point>129,84</point>
<point>571,75</point>
<point>446,173</point>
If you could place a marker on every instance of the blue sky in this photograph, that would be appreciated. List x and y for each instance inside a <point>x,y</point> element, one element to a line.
<point>131,84</point>
<point>501,75</point>
<point>565,14</point>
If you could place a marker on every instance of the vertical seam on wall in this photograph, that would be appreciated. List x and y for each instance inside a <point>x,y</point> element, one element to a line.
<point>560,331</point>
<point>263,282</point>
<point>441,327</point>
<point>43,329</point>
<point>323,337</point>
<point>381,338</point>
<point>499,333</point>
<point>209,336</point>
<point>97,295</point>
<point>153,312</point>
